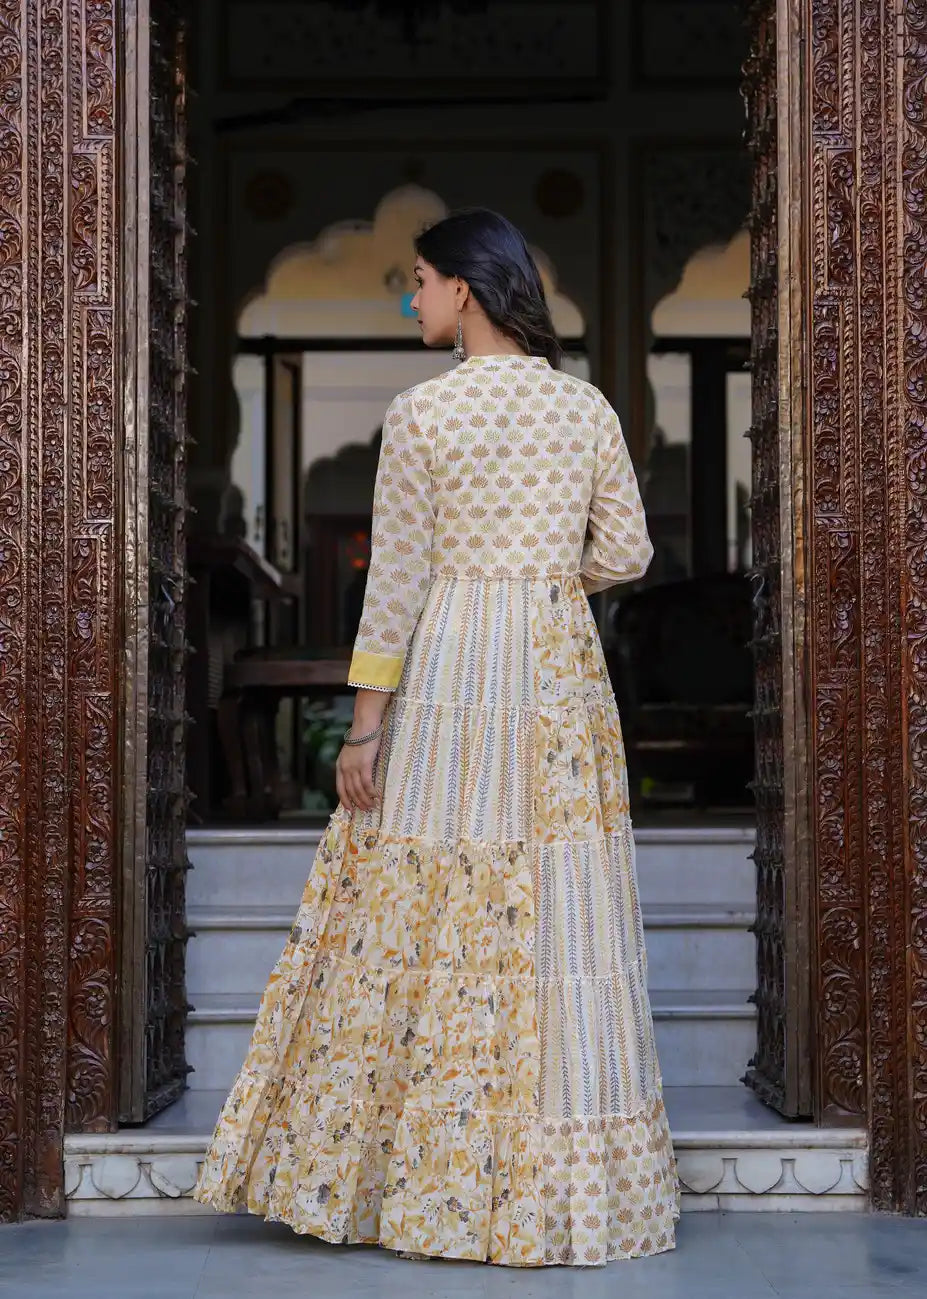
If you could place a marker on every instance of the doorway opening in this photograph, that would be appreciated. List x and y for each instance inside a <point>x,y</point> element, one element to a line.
<point>682,664</point>
<point>293,381</point>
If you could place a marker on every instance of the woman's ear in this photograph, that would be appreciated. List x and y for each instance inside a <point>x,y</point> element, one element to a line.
<point>461,294</point>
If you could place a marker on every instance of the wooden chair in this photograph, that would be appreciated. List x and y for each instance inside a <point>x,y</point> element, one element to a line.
<point>228,577</point>
<point>255,683</point>
<point>683,673</point>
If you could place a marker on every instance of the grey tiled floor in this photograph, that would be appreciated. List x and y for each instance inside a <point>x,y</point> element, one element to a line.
<point>741,1255</point>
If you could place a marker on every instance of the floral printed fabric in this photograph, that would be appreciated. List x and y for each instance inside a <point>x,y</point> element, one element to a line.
<point>454,1054</point>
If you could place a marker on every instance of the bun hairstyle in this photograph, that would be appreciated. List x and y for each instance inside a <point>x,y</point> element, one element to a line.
<point>488,252</point>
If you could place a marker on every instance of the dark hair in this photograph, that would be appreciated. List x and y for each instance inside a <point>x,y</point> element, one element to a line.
<point>488,252</point>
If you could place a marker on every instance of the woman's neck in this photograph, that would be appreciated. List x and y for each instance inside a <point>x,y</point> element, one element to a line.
<point>481,339</point>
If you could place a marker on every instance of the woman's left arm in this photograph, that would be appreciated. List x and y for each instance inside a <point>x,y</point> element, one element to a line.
<point>619,549</point>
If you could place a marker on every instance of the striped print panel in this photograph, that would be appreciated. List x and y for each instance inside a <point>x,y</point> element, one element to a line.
<point>598,1055</point>
<point>597,1050</point>
<point>589,922</point>
<point>473,645</point>
<point>462,730</point>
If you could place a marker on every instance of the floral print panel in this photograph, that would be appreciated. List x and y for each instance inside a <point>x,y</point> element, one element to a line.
<point>454,1054</point>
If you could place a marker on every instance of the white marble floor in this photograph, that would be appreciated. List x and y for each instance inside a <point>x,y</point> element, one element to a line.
<point>744,1256</point>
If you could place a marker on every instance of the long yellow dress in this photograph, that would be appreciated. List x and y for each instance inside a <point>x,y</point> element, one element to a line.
<point>454,1054</point>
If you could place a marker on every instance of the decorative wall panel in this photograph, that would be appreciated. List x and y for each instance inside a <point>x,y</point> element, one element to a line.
<point>92,617</point>
<point>16,1142</point>
<point>467,48</point>
<point>57,604</point>
<point>687,43</point>
<point>850,169</point>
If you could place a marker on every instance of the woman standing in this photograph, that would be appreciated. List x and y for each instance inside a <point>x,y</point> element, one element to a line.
<point>454,1055</point>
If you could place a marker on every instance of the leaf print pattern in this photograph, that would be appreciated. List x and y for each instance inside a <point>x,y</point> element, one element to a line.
<point>454,1055</point>
<point>492,471</point>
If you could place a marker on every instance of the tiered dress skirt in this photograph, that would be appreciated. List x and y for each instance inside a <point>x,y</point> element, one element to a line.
<point>454,1054</point>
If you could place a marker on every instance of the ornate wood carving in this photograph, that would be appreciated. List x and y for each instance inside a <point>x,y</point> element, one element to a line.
<point>771,1071</point>
<point>91,617</point>
<point>57,614</point>
<point>14,1139</point>
<point>911,477</point>
<point>866,167</point>
<point>851,171</point>
<point>839,377</point>
<point>155,797</point>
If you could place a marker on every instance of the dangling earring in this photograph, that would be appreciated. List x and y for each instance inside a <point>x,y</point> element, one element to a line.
<point>459,353</point>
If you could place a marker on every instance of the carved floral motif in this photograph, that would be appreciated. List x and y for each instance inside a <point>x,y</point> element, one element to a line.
<point>12,608</point>
<point>913,472</point>
<point>767,1070</point>
<point>868,570</point>
<point>57,621</point>
<point>92,622</point>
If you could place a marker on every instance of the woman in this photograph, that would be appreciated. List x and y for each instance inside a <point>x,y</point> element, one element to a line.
<point>454,1055</point>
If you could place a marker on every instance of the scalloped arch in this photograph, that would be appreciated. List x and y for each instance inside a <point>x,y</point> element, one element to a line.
<point>348,281</point>
<point>710,296</point>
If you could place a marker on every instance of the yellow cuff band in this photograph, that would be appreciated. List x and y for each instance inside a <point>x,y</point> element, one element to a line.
<point>383,670</point>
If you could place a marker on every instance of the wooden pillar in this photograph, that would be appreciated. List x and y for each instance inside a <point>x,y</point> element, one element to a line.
<point>59,620</point>
<point>857,119</point>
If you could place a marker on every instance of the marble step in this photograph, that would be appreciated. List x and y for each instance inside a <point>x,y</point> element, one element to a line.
<point>733,1154</point>
<point>269,866</point>
<point>705,1037</point>
<point>692,945</point>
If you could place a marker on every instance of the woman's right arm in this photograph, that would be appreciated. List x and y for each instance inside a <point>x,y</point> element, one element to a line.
<point>400,550</point>
<point>619,549</point>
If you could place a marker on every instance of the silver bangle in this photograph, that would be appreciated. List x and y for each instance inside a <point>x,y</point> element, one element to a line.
<point>362,739</point>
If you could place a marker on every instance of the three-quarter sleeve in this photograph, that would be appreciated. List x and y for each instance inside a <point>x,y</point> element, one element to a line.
<point>619,549</point>
<point>400,547</point>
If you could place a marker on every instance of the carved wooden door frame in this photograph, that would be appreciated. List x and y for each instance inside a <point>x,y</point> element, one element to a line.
<point>852,314</point>
<point>780,1070</point>
<point>152,860</point>
<point>135,395</point>
<point>59,596</point>
<point>853,406</point>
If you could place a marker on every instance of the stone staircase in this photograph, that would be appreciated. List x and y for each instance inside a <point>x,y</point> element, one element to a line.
<point>697,894</point>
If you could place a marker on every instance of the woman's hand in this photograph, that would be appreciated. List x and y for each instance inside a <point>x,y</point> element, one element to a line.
<point>354,768</point>
<point>354,775</point>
